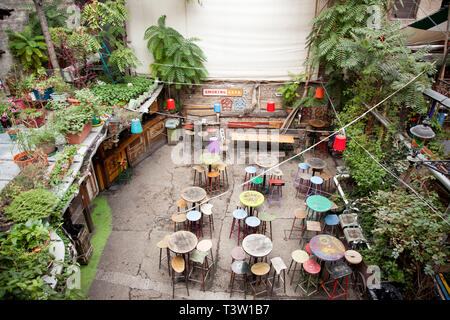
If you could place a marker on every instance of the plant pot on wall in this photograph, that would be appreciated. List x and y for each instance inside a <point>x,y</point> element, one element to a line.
<point>44,96</point>
<point>47,148</point>
<point>73,101</point>
<point>77,139</point>
<point>22,158</point>
<point>59,96</point>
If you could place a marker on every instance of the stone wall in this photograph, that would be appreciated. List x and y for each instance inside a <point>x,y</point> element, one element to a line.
<point>17,20</point>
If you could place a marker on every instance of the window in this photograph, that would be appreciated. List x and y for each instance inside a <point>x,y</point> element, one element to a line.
<point>407,11</point>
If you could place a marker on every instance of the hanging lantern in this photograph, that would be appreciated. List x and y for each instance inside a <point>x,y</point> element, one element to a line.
<point>136,126</point>
<point>113,123</point>
<point>170,104</point>
<point>270,106</point>
<point>339,142</point>
<point>319,93</point>
<point>217,107</point>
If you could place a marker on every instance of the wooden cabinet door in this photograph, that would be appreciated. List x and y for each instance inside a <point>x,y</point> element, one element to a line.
<point>156,130</point>
<point>134,149</point>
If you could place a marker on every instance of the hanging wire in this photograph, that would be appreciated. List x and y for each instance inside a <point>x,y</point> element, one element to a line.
<point>314,145</point>
<point>388,171</point>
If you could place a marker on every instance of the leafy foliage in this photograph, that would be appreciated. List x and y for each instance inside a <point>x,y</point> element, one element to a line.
<point>32,204</point>
<point>62,164</point>
<point>72,120</point>
<point>29,49</point>
<point>409,239</point>
<point>177,59</point>
<point>289,92</point>
<point>123,58</point>
<point>56,17</point>
<point>110,94</point>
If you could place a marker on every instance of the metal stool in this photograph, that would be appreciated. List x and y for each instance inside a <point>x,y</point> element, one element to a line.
<point>238,215</point>
<point>241,269</point>
<point>337,273</point>
<point>237,254</point>
<point>256,183</point>
<point>222,168</point>
<point>252,224</point>
<point>198,260</point>
<point>276,174</point>
<point>259,270</point>
<point>278,184</point>
<point>181,205</point>
<point>326,181</point>
<point>299,214</point>
<point>304,181</point>
<point>265,219</point>
<point>278,266</point>
<point>206,210</point>
<point>177,219</point>
<point>194,222</point>
<point>331,221</point>
<point>178,266</point>
<point>164,244</point>
<point>214,182</point>
<point>302,168</point>
<point>199,170</point>
<point>205,246</point>
<point>312,268</point>
<point>315,186</point>
<point>250,172</point>
<point>297,256</point>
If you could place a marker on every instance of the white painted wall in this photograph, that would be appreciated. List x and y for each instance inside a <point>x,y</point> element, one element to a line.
<point>242,39</point>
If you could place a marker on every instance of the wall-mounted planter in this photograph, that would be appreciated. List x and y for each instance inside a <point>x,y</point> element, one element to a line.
<point>44,96</point>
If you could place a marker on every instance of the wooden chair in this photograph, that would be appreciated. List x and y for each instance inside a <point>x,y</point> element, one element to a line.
<point>177,220</point>
<point>178,266</point>
<point>199,171</point>
<point>309,277</point>
<point>311,227</point>
<point>164,244</point>
<point>327,184</point>
<point>213,182</point>
<point>260,270</point>
<point>297,257</point>
<point>205,246</point>
<point>193,218</point>
<point>278,267</point>
<point>266,223</point>
<point>239,271</point>
<point>238,216</point>
<point>182,205</point>
<point>222,168</point>
<point>299,214</point>
<point>198,260</point>
<point>206,210</point>
<point>250,172</point>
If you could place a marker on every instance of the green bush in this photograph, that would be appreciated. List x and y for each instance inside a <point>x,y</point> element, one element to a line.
<point>32,204</point>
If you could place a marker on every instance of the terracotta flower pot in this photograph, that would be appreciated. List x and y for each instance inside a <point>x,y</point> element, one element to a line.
<point>77,139</point>
<point>73,101</point>
<point>47,148</point>
<point>22,159</point>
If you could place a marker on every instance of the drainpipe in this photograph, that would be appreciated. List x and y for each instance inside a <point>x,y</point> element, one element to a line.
<point>338,186</point>
<point>443,179</point>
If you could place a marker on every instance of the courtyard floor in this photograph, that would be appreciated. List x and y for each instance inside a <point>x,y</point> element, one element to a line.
<point>141,216</point>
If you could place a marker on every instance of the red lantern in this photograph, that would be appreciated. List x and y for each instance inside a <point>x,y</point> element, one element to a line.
<point>170,104</point>
<point>339,142</point>
<point>319,93</point>
<point>270,106</point>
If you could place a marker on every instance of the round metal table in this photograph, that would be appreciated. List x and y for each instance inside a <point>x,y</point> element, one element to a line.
<point>257,245</point>
<point>193,194</point>
<point>182,242</point>
<point>317,204</point>
<point>326,247</point>
<point>266,162</point>
<point>251,199</point>
<point>316,164</point>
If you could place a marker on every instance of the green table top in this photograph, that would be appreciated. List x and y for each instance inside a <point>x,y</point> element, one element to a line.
<point>251,198</point>
<point>318,203</point>
<point>210,158</point>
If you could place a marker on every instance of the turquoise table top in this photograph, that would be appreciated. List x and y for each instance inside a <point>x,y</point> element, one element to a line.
<point>318,203</point>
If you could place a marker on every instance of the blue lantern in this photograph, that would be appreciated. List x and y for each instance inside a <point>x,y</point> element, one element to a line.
<point>136,126</point>
<point>217,107</point>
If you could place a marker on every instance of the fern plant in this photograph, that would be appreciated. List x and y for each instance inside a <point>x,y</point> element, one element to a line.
<point>123,58</point>
<point>30,50</point>
<point>177,59</point>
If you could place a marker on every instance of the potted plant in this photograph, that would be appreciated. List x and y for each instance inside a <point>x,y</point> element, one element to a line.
<point>44,139</point>
<point>28,154</point>
<point>92,103</point>
<point>289,93</point>
<point>62,164</point>
<point>8,113</point>
<point>42,89</point>
<point>60,88</point>
<point>75,123</point>
<point>32,118</point>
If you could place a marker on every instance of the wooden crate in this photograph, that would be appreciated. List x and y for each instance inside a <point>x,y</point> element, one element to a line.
<point>84,247</point>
